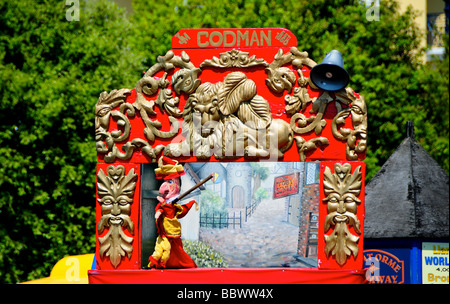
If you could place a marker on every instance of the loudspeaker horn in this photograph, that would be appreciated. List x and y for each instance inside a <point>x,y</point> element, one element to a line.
<point>330,75</point>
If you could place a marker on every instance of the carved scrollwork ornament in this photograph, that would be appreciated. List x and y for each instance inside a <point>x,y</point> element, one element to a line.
<point>234,59</point>
<point>116,192</point>
<point>356,138</point>
<point>342,189</point>
<point>106,141</point>
<point>281,78</point>
<point>185,80</point>
<point>238,110</point>
<point>301,125</point>
<point>304,146</point>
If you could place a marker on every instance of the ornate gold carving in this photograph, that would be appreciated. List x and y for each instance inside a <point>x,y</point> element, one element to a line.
<point>243,117</point>
<point>300,124</point>
<point>234,59</point>
<point>342,189</point>
<point>312,144</point>
<point>356,138</point>
<point>116,191</point>
<point>228,119</point>
<point>185,80</point>
<point>105,140</point>
<point>103,112</point>
<point>282,78</point>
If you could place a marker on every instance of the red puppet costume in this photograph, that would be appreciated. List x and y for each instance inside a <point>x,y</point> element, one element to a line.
<point>169,252</point>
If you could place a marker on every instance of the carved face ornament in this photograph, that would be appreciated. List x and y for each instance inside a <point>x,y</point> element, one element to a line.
<point>116,191</point>
<point>342,189</point>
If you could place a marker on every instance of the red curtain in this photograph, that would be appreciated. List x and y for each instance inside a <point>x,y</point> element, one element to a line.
<point>228,276</point>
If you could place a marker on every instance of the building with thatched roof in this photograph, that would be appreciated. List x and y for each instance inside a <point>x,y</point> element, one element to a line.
<point>407,211</point>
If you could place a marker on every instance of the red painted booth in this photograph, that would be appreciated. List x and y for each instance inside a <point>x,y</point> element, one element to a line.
<point>229,96</point>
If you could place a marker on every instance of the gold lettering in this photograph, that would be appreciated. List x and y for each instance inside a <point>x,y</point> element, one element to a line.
<point>225,40</point>
<point>238,38</point>
<point>267,38</point>
<point>199,42</point>
<point>211,38</point>
<point>440,250</point>
<point>254,39</point>
<point>241,36</point>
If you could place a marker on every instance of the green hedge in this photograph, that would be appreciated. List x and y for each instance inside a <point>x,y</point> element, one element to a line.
<point>203,255</point>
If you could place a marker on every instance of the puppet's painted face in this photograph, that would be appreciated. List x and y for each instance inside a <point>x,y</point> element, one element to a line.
<point>170,188</point>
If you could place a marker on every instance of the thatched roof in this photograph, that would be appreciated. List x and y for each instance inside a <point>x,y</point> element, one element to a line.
<point>409,196</point>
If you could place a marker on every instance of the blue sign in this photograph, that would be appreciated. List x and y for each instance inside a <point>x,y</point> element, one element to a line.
<point>387,266</point>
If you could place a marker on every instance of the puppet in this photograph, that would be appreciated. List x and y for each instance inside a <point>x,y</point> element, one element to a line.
<point>169,252</point>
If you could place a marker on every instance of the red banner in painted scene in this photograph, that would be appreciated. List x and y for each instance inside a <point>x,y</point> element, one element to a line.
<point>285,185</point>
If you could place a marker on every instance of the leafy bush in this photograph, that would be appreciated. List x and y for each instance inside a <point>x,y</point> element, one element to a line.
<point>261,194</point>
<point>52,72</point>
<point>203,255</point>
<point>212,203</point>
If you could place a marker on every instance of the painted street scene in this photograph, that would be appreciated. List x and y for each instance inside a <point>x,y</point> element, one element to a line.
<point>252,228</point>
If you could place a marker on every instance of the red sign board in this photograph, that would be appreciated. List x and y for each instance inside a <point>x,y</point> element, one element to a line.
<point>285,185</point>
<point>225,38</point>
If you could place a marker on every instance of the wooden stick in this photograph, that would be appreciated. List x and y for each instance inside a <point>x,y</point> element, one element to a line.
<point>193,188</point>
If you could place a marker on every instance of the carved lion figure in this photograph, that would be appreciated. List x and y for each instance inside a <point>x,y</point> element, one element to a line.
<point>229,119</point>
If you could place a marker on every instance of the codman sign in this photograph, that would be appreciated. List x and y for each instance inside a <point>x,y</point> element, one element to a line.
<point>212,38</point>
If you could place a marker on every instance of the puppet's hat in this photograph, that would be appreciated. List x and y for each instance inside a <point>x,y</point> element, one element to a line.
<point>168,169</point>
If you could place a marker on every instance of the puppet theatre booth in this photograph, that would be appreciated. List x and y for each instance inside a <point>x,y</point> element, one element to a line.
<point>196,134</point>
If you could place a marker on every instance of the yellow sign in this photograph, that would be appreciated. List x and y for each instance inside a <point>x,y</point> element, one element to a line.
<point>435,263</point>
